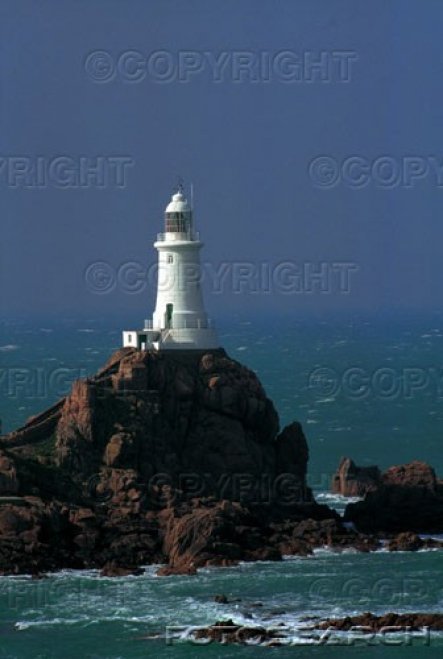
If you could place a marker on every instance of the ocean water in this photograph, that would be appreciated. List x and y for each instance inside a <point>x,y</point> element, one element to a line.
<point>368,388</point>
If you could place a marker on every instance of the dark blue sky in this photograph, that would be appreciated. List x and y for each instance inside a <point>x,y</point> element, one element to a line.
<point>246,145</point>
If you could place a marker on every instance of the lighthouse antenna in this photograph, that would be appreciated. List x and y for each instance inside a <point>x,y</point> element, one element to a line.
<point>192,208</point>
<point>179,183</point>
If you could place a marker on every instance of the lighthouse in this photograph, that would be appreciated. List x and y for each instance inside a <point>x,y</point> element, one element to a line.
<point>179,321</point>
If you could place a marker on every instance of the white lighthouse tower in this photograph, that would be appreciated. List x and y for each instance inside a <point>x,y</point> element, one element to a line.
<point>179,321</point>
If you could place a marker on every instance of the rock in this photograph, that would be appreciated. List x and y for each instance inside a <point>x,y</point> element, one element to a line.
<point>292,457</point>
<point>221,599</point>
<point>409,499</point>
<point>27,533</point>
<point>168,571</point>
<point>405,542</point>
<point>208,535</point>
<point>302,537</point>
<point>371,622</point>
<point>412,542</point>
<point>9,483</point>
<point>120,450</point>
<point>353,481</point>
<point>111,569</point>
<point>227,632</point>
<point>76,428</point>
<point>145,408</point>
<point>414,474</point>
<point>403,498</point>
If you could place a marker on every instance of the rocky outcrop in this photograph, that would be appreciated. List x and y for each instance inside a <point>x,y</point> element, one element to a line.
<point>223,533</point>
<point>353,481</point>
<point>408,498</point>
<point>177,459</point>
<point>200,420</point>
<point>413,474</point>
<point>201,424</point>
<point>159,458</point>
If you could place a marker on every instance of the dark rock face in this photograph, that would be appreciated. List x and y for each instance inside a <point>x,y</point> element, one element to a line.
<point>353,481</point>
<point>159,458</point>
<point>34,537</point>
<point>408,498</point>
<point>293,453</point>
<point>8,476</point>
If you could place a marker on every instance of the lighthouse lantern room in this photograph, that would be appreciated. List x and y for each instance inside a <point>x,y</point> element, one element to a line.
<point>179,321</point>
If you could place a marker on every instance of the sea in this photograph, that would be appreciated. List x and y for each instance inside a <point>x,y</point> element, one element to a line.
<point>365,386</point>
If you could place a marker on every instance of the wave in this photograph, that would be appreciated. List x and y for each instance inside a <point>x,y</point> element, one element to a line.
<point>431,536</point>
<point>330,497</point>
<point>9,347</point>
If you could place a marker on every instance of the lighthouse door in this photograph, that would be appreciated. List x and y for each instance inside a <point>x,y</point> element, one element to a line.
<point>168,316</point>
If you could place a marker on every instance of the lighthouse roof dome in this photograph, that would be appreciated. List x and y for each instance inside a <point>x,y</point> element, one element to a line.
<point>178,204</point>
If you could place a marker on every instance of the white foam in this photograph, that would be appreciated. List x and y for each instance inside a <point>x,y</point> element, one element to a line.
<point>8,347</point>
<point>336,498</point>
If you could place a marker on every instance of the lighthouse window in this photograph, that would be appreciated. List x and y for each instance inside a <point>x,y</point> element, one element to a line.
<point>169,258</point>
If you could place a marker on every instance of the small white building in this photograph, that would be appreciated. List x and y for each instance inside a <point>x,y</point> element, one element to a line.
<point>179,321</point>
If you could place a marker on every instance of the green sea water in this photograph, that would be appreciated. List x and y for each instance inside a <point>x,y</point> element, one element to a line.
<point>362,387</point>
